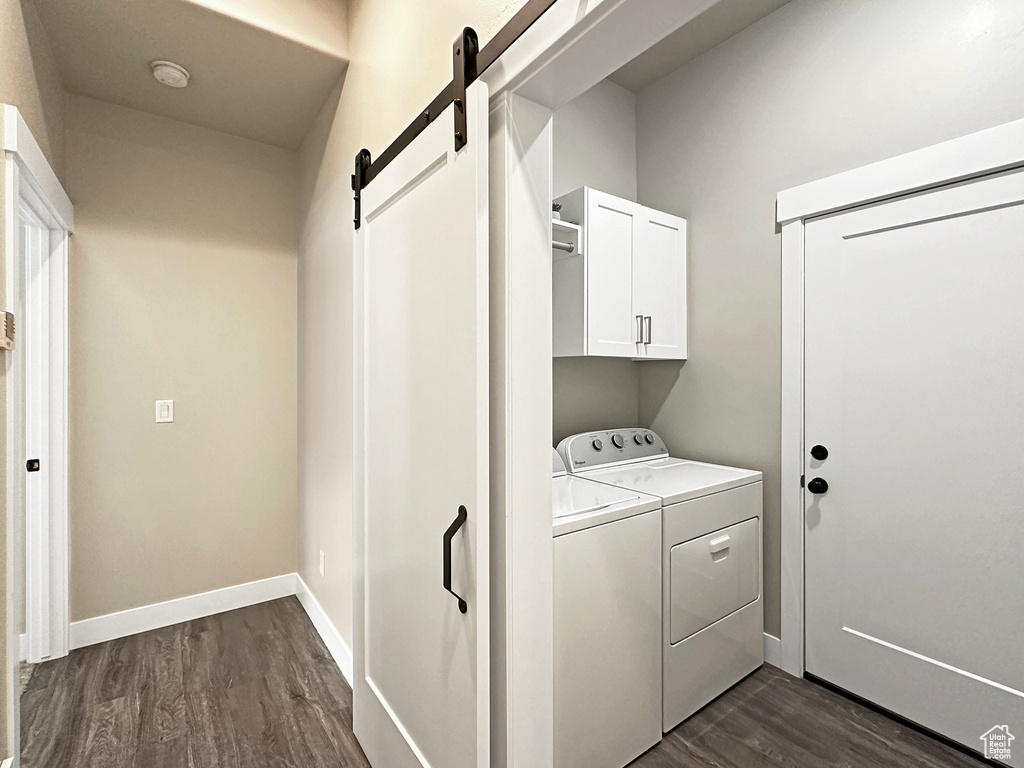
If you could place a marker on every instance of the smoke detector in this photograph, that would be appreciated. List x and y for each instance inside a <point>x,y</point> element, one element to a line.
<point>169,73</point>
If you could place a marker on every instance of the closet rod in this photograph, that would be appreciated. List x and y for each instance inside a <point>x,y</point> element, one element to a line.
<point>560,246</point>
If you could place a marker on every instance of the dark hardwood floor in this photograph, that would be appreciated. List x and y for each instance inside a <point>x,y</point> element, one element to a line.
<point>257,688</point>
<point>246,689</point>
<point>774,720</point>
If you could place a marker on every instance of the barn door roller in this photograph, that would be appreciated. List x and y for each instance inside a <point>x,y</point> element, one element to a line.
<point>468,63</point>
<point>464,66</point>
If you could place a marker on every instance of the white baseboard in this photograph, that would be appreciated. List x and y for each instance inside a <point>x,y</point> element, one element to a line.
<point>8,763</point>
<point>772,650</point>
<point>148,617</point>
<point>332,638</point>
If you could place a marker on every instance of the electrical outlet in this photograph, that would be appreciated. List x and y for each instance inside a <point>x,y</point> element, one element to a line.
<point>323,565</point>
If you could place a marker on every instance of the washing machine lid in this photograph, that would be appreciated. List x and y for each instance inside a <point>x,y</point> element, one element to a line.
<point>578,503</point>
<point>557,465</point>
<point>674,480</point>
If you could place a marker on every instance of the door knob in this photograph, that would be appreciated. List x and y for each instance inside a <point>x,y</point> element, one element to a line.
<point>817,486</point>
<point>819,452</point>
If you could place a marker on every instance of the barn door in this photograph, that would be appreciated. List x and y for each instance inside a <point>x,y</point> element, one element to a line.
<point>421,693</point>
<point>915,436</point>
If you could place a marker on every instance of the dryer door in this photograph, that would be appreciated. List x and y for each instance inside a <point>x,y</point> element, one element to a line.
<point>712,576</point>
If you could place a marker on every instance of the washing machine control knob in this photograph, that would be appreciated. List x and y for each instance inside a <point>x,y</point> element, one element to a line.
<point>598,445</point>
<point>618,441</point>
<point>649,438</point>
<point>638,440</point>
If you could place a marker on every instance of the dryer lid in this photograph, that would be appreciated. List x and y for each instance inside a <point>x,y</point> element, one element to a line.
<point>675,480</point>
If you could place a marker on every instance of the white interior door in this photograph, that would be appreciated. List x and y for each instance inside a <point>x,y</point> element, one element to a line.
<point>421,665</point>
<point>35,277</point>
<point>915,386</point>
<point>38,445</point>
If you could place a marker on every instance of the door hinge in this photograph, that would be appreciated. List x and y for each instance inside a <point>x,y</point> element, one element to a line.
<point>802,480</point>
<point>6,330</point>
<point>464,53</point>
<point>363,161</point>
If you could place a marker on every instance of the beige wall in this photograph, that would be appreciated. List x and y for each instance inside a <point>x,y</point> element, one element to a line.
<point>814,89</point>
<point>594,145</point>
<point>400,59</point>
<point>182,286</point>
<point>29,80</point>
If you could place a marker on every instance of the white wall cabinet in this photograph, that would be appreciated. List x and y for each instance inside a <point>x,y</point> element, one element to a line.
<point>623,294</point>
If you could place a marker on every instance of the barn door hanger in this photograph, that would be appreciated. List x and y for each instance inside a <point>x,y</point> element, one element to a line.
<point>363,162</point>
<point>464,67</point>
<point>469,62</point>
<point>464,72</point>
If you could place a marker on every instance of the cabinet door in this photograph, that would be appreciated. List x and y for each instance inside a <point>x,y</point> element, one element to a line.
<point>659,283</point>
<point>611,233</point>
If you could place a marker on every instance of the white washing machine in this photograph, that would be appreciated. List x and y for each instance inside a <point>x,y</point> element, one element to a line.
<point>607,622</point>
<point>712,614</point>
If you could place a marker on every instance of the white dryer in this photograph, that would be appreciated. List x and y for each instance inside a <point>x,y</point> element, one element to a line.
<point>607,622</point>
<point>712,614</point>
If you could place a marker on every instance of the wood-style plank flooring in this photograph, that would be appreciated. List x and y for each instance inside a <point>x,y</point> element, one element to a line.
<point>256,688</point>
<point>251,688</point>
<point>772,720</point>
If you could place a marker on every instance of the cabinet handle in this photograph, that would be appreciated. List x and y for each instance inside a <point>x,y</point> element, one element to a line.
<point>639,329</point>
<point>649,322</point>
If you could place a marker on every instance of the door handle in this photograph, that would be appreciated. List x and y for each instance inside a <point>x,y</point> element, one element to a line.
<point>717,545</point>
<point>447,541</point>
<point>817,486</point>
<point>649,321</point>
<point>639,329</point>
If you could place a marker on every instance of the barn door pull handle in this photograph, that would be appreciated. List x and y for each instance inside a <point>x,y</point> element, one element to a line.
<point>452,530</point>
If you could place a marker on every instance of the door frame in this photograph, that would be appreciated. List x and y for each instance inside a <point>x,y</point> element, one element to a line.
<point>978,154</point>
<point>30,185</point>
<point>571,48</point>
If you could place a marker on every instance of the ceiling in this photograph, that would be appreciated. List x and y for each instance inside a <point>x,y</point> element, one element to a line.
<point>716,25</point>
<point>247,80</point>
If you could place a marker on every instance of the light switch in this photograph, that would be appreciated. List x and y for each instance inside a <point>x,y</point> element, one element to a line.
<point>164,411</point>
